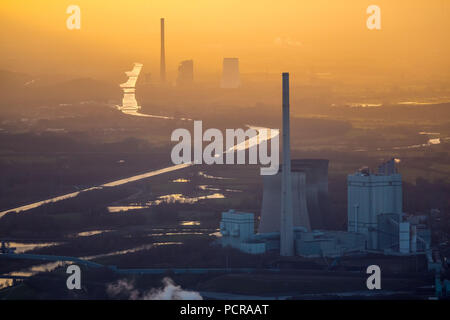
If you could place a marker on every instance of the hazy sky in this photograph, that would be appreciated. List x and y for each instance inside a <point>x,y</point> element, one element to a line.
<point>267,35</point>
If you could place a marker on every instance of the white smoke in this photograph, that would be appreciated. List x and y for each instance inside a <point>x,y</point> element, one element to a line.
<point>170,291</point>
<point>124,288</point>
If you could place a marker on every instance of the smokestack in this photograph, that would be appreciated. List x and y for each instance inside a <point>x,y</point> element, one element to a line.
<point>286,226</point>
<point>163,54</point>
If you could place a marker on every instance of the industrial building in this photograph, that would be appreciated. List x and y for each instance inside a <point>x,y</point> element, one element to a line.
<point>230,73</point>
<point>374,208</point>
<point>372,194</point>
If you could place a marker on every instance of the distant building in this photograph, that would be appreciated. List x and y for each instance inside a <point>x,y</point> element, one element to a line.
<point>185,73</point>
<point>375,210</point>
<point>375,218</point>
<point>370,195</point>
<point>230,73</point>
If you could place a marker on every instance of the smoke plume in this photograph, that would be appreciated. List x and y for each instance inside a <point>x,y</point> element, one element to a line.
<point>125,289</point>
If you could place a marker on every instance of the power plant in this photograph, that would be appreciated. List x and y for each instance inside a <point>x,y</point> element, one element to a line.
<point>230,77</point>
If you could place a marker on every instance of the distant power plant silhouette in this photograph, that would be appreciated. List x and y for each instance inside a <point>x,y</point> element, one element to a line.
<point>185,73</point>
<point>230,73</point>
<point>230,68</point>
<point>162,69</point>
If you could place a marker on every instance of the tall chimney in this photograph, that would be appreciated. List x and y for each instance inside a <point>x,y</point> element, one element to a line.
<point>162,69</point>
<point>286,226</point>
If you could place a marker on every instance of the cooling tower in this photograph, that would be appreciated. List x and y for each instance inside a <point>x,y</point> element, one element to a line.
<point>309,196</point>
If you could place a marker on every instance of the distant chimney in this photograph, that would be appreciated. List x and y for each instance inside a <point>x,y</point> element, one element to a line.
<point>287,223</point>
<point>163,54</point>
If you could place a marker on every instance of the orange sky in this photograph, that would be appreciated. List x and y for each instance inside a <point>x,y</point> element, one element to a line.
<point>267,35</point>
